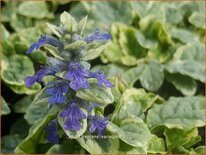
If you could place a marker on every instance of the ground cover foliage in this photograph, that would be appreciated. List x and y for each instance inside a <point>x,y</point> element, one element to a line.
<point>155,60</point>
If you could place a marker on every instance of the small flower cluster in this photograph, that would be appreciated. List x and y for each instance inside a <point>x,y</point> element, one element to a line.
<point>70,76</point>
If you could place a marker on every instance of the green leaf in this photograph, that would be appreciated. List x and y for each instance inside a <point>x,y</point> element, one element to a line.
<point>140,8</point>
<point>19,22</point>
<point>191,52</point>
<point>93,50</point>
<point>144,42</point>
<point>7,48</point>
<point>74,134</point>
<point>132,131</point>
<point>99,146</point>
<point>186,85</point>
<point>4,33</point>
<point>25,90</point>
<point>23,37</point>
<point>15,68</point>
<point>115,90</point>
<point>38,108</point>
<point>68,22</point>
<point>193,141</point>
<point>64,149</point>
<point>183,35</point>
<point>129,43</point>
<point>8,11</point>
<point>38,57</point>
<point>20,127</point>
<point>189,8</point>
<point>112,53</point>
<point>21,47</point>
<point>197,20</point>
<point>156,145</point>
<point>9,143</point>
<point>152,76</point>
<point>22,105</point>
<point>154,29</point>
<point>113,13</point>
<point>178,112</point>
<point>134,102</point>
<point>124,148</point>
<point>53,28</point>
<point>32,9</point>
<point>4,107</point>
<point>31,143</point>
<point>189,60</point>
<point>75,45</point>
<point>132,75</point>
<point>182,150</point>
<point>129,60</point>
<point>96,11</point>
<point>177,137</point>
<point>96,94</point>
<point>81,25</point>
<point>200,150</point>
<point>172,15</point>
<point>54,51</point>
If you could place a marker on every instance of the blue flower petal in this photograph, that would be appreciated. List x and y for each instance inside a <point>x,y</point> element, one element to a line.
<point>38,76</point>
<point>98,123</point>
<point>73,116</point>
<point>103,37</point>
<point>45,39</point>
<point>30,80</point>
<point>97,36</point>
<point>51,130</point>
<point>72,124</point>
<point>101,78</point>
<point>57,89</point>
<point>77,75</point>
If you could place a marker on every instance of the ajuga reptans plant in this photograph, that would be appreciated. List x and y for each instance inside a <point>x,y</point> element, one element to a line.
<point>69,66</point>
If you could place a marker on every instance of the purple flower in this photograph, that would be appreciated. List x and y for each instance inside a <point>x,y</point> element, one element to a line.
<point>101,78</point>
<point>30,80</point>
<point>73,116</point>
<point>98,123</point>
<point>97,36</point>
<point>77,75</point>
<point>51,130</point>
<point>45,39</point>
<point>57,89</point>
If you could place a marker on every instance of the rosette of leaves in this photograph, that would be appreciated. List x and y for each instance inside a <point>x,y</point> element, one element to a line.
<point>142,122</point>
<point>150,45</point>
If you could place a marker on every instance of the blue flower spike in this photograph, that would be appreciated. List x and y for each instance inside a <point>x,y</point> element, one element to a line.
<point>77,75</point>
<point>98,123</point>
<point>45,39</point>
<point>73,115</point>
<point>68,68</point>
<point>97,36</point>
<point>51,130</point>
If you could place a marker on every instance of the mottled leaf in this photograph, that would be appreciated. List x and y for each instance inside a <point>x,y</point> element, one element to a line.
<point>33,9</point>
<point>96,94</point>
<point>178,112</point>
<point>152,76</point>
